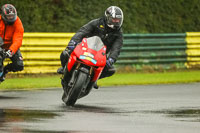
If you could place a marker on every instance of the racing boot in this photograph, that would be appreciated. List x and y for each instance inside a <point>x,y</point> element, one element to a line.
<point>3,75</point>
<point>96,86</point>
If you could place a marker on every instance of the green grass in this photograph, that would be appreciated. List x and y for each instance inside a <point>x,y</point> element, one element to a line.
<point>117,79</point>
<point>151,78</point>
<point>31,82</point>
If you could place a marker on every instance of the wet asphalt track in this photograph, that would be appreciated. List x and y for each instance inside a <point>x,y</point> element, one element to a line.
<point>125,109</point>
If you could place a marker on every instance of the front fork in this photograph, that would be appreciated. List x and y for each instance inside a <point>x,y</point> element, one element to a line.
<point>73,77</point>
<point>69,83</point>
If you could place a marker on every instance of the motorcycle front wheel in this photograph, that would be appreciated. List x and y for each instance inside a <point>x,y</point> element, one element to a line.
<point>75,91</point>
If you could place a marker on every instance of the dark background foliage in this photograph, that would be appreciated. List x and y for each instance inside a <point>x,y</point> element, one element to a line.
<point>140,16</point>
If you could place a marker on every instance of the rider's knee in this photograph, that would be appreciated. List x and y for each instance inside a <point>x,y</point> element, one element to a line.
<point>111,71</point>
<point>19,66</point>
<point>64,56</point>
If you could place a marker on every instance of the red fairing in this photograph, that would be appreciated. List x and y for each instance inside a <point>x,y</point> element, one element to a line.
<point>97,73</point>
<point>99,56</point>
<point>93,57</point>
<point>71,61</point>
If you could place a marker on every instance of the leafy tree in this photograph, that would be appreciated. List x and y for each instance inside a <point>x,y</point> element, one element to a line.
<point>140,16</point>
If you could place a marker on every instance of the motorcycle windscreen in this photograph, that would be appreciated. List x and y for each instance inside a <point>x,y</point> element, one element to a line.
<point>95,43</point>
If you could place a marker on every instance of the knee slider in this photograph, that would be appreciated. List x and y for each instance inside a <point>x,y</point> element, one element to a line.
<point>111,71</point>
<point>64,57</point>
<point>20,68</point>
<point>64,54</point>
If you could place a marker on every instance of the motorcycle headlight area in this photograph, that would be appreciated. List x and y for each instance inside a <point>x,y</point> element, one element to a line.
<point>83,57</point>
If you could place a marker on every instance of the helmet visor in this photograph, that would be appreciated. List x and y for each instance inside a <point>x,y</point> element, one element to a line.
<point>10,17</point>
<point>114,22</point>
<point>9,13</point>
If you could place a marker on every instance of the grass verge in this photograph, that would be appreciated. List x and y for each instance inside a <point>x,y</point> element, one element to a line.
<point>117,79</point>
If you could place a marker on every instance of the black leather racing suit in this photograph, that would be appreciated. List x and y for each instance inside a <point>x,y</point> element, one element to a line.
<point>113,39</point>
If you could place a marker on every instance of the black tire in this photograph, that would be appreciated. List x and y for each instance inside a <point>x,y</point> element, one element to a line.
<point>76,90</point>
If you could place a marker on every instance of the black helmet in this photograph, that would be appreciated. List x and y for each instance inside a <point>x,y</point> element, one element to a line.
<point>114,17</point>
<point>8,13</point>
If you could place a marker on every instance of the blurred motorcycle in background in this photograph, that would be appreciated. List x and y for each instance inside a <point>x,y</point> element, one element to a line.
<point>2,57</point>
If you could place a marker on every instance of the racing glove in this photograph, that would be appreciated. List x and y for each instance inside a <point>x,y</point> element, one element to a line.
<point>71,45</point>
<point>109,62</point>
<point>9,53</point>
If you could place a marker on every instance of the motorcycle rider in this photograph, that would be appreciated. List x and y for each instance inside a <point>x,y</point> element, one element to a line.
<point>11,31</point>
<point>108,28</point>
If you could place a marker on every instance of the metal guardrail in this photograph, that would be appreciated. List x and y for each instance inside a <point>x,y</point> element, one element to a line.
<point>193,50</point>
<point>41,51</point>
<point>153,49</point>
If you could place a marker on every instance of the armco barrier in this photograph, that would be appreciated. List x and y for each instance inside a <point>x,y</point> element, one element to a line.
<point>154,49</point>
<point>193,49</point>
<point>41,51</point>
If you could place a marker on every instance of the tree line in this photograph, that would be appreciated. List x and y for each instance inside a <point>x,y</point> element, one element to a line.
<point>140,16</point>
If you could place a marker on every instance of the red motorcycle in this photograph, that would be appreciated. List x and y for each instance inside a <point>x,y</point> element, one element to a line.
<point>83,69</point>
